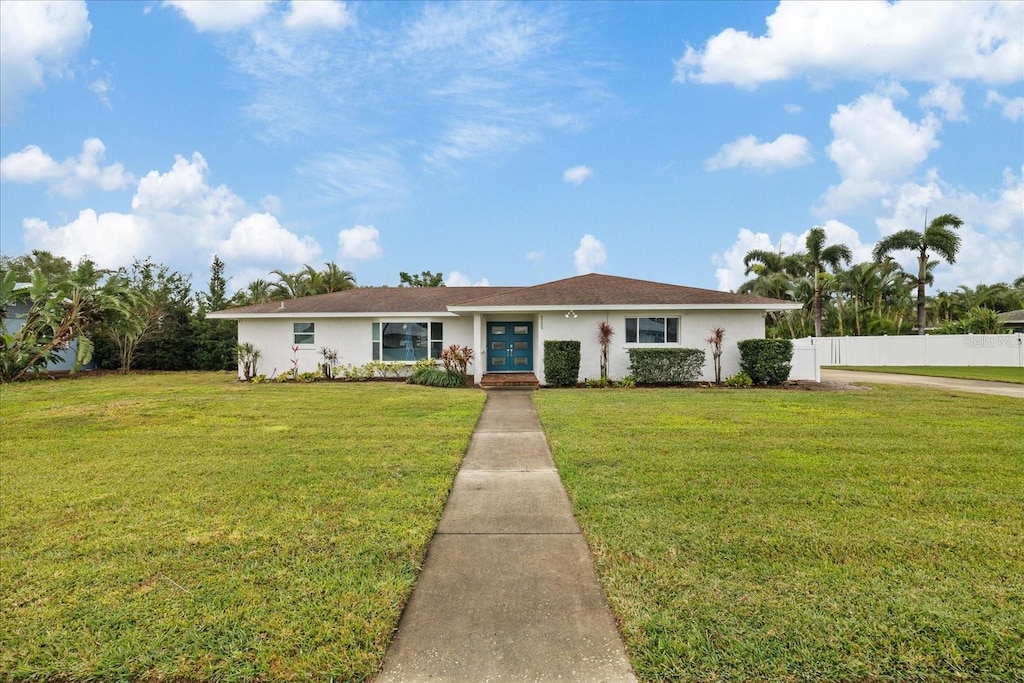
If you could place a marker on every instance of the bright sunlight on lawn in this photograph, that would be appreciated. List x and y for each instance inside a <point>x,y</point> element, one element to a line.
<point>785,535</point>
<point>191,527</point>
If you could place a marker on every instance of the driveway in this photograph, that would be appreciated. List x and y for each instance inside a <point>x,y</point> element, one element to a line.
<point>971,385</point>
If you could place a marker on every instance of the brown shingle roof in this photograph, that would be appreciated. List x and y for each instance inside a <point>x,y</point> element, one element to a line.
<point>608,290</point>
<point>579,291</point>
<point>373,300</point>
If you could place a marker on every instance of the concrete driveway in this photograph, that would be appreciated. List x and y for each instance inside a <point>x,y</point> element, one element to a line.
<point>971,385</point>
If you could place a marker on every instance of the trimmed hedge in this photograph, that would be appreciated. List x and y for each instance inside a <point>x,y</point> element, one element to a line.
<point>767,361</point>
<point>665,366</point>
<point>561,362</point>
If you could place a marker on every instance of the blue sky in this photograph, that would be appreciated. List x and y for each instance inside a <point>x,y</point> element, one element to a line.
<point>508,144</point>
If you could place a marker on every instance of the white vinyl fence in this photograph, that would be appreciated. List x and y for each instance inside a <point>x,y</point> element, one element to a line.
<point>996,350</point>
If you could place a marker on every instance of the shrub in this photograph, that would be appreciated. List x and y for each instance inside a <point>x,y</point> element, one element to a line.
<point>456,359</point>
<point>627,382</point>
<point>740,380</point>
<point>436,377</point>
<point>665,366</point>
<point>766,361</point>
<point>561,362</point>
<point>357,373</point>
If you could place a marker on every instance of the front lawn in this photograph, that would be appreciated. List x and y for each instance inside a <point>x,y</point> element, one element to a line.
<point>799,536</point>
<point>189,527</point>
<point>991,374</point>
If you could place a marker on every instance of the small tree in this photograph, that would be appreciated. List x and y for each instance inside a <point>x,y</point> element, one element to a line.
<point>605,332</point>
<point>248,355</point>
<point>716,338</point>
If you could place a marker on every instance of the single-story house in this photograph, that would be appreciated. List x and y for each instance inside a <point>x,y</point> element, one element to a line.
<point>505,326</point>
<point>1012,321</point>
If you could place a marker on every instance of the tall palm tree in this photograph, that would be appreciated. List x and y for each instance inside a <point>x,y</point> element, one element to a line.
<point>939,237</point>
<point>818,257</point>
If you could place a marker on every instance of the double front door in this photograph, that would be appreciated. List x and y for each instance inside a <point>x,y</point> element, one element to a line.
<point>509,347</point>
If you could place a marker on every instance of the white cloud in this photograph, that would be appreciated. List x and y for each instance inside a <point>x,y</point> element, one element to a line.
<point>371,176</point>
<point>317,14</point>
<point>786,151</point>
<point>470,139</point>
<point>69,178</point>
<point>101,87</point>
<point>535,256</point>
<point>590,255</point>
<point>259,238</point>
<point>991,238</point>
<point>37,40</point>
<point>111,240</point>
<point>947,97</point>
<point>181,220</point>
<point>793,108</point>
<point>873,146</point>
<point>457,279</point>
<point>923,41</point>
<point>1013,108</point>
<point>730,272</point>
<point>577,175</point>
<point>220,17</point>
<point>360,243</point>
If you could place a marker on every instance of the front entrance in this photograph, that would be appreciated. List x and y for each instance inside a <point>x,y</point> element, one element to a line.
<point>509,347</point>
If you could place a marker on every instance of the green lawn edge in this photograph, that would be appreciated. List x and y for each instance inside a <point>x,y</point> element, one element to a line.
<point>185,526</point>
<point>786,536</point>
<point>982,373</point>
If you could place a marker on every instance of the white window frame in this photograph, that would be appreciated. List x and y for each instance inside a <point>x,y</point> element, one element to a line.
<point>435,338</point>
<point>665,330</point>
<point>306,332</point>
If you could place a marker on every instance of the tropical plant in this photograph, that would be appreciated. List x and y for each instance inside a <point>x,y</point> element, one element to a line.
<point>456,359</point>
<point>938,237</point>
<point>818,258</point>
<point>248,356</point>
<point>716,338</point>
<point>605,332</point>
<point>60,312</point>
<point>330,357</point>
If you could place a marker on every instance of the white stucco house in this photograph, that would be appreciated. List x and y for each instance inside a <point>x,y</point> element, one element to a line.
<point>506,326</point>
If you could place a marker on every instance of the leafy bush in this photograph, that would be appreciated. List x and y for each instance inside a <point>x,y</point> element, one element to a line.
<point>308,377</point>
<point>766,361</point>
<point>456,359</point>
<point>561,362</point>
<point>436,377</point>
<point>357,373</point>
<point>740,380</point>
<point>665,366</point>
<point>598,383</point>
<point>627,382</point>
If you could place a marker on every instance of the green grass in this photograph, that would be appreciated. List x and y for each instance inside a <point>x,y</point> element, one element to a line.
<point>991,374</point>
<point>189,527</point>
<point>802,536</point>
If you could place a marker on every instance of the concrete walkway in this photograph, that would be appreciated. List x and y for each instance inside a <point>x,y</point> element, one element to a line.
<point>972,385</point>
<point>508,590</point>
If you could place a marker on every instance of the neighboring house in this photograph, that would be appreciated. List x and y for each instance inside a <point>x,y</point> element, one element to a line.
<point>506,326</point>
<point>1013,321</point>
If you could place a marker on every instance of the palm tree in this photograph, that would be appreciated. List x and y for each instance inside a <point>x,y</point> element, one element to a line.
<point>939,237</point>
<point>336,280</point>
<point>818,257</point>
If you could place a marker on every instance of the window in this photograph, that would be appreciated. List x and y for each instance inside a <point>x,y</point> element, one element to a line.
<point>303,333</point>
<point>407,341</point>
<point>652,330</point>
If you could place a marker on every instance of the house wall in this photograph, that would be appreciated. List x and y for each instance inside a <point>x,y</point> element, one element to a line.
<point>350,337</point>
<point>694,328</point>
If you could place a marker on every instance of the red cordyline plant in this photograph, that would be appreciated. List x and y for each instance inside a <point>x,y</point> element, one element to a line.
<point>605,332</point>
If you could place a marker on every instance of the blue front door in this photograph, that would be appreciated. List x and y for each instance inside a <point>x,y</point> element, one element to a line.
<point>509,347</point>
